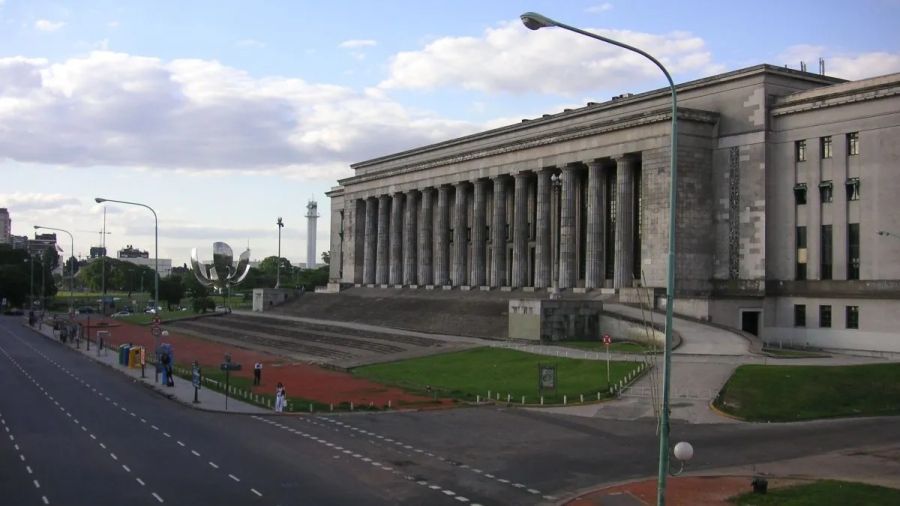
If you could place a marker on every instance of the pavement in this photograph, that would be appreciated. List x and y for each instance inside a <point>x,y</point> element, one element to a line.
<point>183,391</point>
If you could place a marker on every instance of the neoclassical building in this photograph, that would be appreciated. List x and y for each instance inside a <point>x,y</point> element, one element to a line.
<point>785,219</point>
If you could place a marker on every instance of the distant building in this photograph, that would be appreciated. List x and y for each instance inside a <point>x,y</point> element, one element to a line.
<point>132,252</point>
<point>312,214</point>
<point>5,226</point>
<point>19,241</point>
<point>41,242</point>
<point>98,251</point>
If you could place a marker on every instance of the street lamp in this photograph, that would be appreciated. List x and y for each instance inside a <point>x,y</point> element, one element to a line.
<point>101,200</point>
<point>72,259</point>
<point>278,264</point>
<point>534,21</point>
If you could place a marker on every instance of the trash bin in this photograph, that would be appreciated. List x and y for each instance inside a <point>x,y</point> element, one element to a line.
<point>134,356</point>
<point>123,354</point>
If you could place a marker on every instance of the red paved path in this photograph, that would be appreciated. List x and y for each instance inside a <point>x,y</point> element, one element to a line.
<point>681,491</point>
<point>309,382</point>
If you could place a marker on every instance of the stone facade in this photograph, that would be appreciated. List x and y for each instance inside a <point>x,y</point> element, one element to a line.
<point>579,200</point>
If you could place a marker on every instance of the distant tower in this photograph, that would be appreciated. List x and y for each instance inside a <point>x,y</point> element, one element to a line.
<point>5,226</point>
<point>312,212</point>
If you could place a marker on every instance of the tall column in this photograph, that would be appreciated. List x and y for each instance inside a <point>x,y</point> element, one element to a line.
<point>371,238</point>
<point>567,229</point>
<point>382,254</point>
<point>624,268</point>
<point>479,214</point>
<point>542,231</point>
<point>409,239</point>
<point>426,238</point>
<point>594,266</point>
<point>396,239</point>
<point>441,233</point>
<point>460,242</point>
<point>498,234</point>
<point>520,232</point>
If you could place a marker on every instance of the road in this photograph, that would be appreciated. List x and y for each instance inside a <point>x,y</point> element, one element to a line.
<point>76,432</point>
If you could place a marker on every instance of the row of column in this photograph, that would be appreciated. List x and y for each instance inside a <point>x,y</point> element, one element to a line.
<point>401,247</point>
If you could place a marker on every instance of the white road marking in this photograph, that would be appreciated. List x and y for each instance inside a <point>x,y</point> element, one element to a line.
<point>36,484</point>
<point>158,498</point>
<point>195,453</point>
<point>140,481</point>
<point>126,468</point>
<point>233,477</point>
<point>213,464</point>
<point>255,492</point>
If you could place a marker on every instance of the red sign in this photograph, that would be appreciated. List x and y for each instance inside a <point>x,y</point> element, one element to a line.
<point>607,340</point>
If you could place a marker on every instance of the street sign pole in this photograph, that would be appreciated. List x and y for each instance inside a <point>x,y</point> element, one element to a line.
<point>606,342</point>
<point>228,366</point>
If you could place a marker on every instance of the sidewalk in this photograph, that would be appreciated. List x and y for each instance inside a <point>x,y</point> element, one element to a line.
<point>875,466</point>
<point>183,391</point>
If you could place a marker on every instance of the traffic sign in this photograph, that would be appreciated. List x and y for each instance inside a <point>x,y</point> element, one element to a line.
<point>156,331</point>
<point>156,320</point>
<point>229,366</point>
<point>607,340</point>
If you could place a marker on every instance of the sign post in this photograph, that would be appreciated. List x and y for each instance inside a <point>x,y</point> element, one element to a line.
<point>156,331</point>
<point>228,366</point>
<point>196,379</point>
<point>143,362</point>
<point>606,342</point>
<point>546,377</point>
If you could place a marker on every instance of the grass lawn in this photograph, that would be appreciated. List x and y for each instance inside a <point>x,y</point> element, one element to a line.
<point>789,393</point>
<point>615,347</point>
<point>470,373</point>
<point>823,493</point>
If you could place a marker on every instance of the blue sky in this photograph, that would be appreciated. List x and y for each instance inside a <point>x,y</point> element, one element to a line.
<point>225,115</point>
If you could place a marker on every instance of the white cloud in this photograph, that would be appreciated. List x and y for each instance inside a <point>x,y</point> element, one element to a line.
<point>45,25</point>
<point>511,58</point>
<point>113,24</point>
<point>36,201</point>
<point>850,66</point>
<point>119,110</point>
<point>250,43</point>
<point>357,43</point>
<point>596,9</point>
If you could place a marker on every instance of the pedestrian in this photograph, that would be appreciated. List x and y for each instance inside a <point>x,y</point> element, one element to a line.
<point>280,395</point>
<point>257,373</point>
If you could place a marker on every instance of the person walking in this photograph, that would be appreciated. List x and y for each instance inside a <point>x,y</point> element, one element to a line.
<point>257,373</point>
<point>280,395</point>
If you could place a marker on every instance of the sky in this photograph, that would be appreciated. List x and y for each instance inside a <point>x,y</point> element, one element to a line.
<point>225,115</point>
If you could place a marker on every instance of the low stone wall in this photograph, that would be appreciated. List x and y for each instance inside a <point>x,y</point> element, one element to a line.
<point>267,298</point>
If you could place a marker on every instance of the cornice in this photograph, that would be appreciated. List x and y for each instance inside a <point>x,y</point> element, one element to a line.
<point>543,139</point>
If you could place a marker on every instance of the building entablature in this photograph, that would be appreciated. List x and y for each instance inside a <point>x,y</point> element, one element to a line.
<point>838,94</point>
<point>531,153</point>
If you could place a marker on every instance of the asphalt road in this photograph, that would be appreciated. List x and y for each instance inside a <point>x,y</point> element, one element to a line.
<point>76,432</point>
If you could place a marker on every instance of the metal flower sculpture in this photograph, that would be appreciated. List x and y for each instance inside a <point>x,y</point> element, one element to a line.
<point>223,273</point>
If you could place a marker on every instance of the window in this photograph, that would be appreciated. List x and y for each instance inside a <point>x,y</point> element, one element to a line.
<point>826,191</point>
<point>852,185</point>
<point>853,143</point>
<point>800,193</point>
<point>825,317</point>
<point>852,317</point>
<point>853,251</point>
<point>826,146</point>
<point>799,315</point>
<point>800,151</point>
<point>826,252</point>
<point>801,253</point>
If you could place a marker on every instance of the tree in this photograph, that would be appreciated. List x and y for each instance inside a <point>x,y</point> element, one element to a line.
<point>171,290</point>
<point>269,265</point>
<point>14,272</point>
<point>326,257</point>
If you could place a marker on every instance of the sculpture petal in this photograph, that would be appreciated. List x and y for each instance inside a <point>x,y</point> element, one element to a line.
<point>199,269</point>
<point>243,267</point>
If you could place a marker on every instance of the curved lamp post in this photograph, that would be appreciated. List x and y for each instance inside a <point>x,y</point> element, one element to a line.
<point>101,200</point>
<point>71,257</point>
<point>535,21</point>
